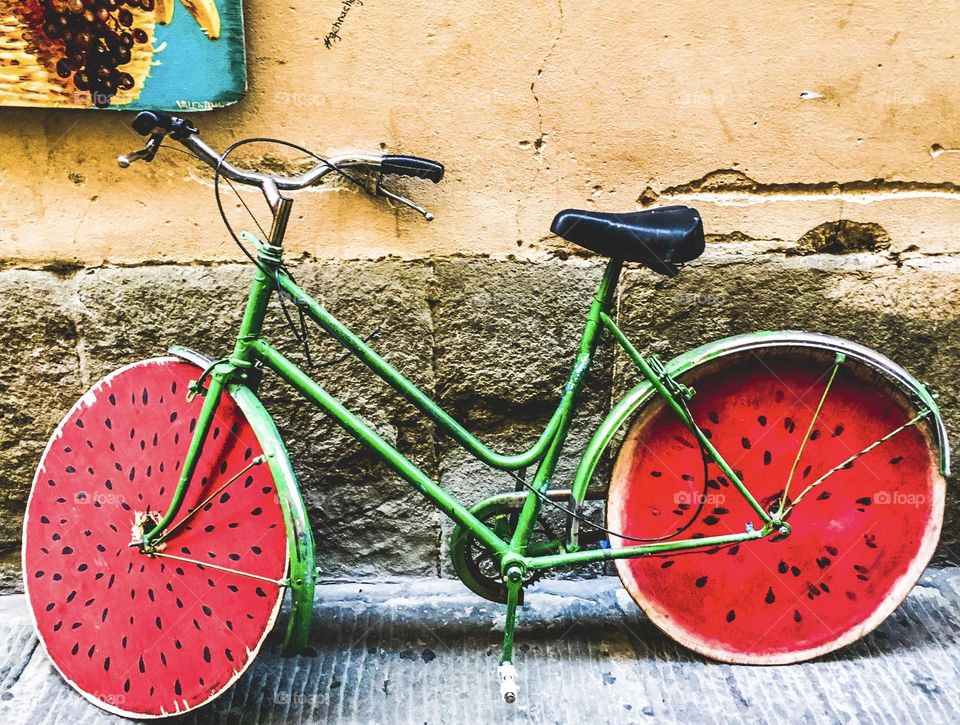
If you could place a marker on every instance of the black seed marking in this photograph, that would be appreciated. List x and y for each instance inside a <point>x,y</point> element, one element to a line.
<point>93,648</point>
<point>141,666</point>
<point>865,501</point>
<point>206,654</point>
<point>223,467</point>
<point>177,644</point>
<point>176,687</point>
<point>895,461</point>
<point>870,540</point>
<point>767,458</point>
<point>731,615</point>
<point>832,550</point>
<point>861,569</point>
<point>106,664</point>
<point>770,598</point>
<point>79,423</point>
<point>233,588</point>
<point>173,416</point>
<point>815,434</point>
<point>711,520</point>
<point>256,550</point>
<point>71,596</point>
<point>862,577</point>
<point>837,431</point>
<point>89,602</point>
<point>260,592</point>
<point>143,396</point>
<point>701,582</point>
<point>126,685</point>
<point>112,398</point>
<point>179,603</point>
<point>812,590</point>
<point>58,626</point>
<point>745,442</point>
<point>225,497</point>
<point>795,570</point>
<point>656,474</point>
<point>797,617</point>
<point>713,484</point>
<point>851,596</point>
<point>163,659</point>
<point>75,648</point>
<point>71,469</point>
<point>667,564</point>
<point>158,622</point>
<point>714,418</point>
<point>762,419</point>
<point>184,549</point>
<point>733,550</point>
<point>789,425</point>
<point>824,588</point>
<point>228,654</point>
<point>44,520</point>
<point>824,495</point>
<point>103,615</point>
<point>50,606</point>
<point>823,562</point>
<point>257,511</point>
<point>234,557</point>
<point>207,610</point>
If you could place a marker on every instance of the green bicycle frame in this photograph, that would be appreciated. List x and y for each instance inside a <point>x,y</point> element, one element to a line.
<point>252,351</point>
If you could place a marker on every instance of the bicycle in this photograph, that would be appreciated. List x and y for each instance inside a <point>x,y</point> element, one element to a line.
<point>773,496</point>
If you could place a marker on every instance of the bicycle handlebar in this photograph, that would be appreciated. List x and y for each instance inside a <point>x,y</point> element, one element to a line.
<point>159,124</point>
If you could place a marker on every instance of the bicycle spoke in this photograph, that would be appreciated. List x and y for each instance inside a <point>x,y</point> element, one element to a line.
<point>913,421</point>
<point>806,437</point>
<point>163,537</point>
<point>278,582</point>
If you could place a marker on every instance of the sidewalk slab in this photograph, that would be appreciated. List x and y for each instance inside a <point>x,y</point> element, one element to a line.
<point>425,651</point>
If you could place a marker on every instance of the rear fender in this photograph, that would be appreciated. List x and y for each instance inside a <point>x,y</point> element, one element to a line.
<point>640,395</point>
<point>303,570</point>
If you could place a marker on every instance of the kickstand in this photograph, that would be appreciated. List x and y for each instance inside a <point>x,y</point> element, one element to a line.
<point>506,672</point>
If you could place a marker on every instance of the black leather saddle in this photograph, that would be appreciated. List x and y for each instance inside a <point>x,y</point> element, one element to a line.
<point>663,239</point>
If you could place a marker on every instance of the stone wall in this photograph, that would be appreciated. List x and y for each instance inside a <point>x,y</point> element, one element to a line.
<point>817,139</point>
<point>492,340</point>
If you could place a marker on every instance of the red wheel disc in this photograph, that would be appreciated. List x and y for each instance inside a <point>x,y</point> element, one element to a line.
<point>859,540</point>
<point>140,635</point>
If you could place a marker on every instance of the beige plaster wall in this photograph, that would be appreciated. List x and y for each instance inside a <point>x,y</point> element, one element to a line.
<point>770,117</point>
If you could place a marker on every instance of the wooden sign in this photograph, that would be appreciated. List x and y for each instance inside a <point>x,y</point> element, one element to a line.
<point>178,55</point>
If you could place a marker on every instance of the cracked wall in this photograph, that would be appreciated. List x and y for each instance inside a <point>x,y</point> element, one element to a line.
<point>819,142</point>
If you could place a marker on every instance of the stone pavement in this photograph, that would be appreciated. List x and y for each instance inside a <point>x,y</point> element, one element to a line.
<point>425,651</point>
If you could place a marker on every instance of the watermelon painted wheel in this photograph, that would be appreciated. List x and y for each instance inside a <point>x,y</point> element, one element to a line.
<point>860,536</point>
<point>142,635</point>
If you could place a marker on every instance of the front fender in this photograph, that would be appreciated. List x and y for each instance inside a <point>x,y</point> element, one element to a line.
<point>303,569</point>
<point>638,396</point>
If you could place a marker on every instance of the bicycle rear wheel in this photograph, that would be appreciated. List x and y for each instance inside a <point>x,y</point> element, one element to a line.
<point>136,634</point>
<point>865,520</point>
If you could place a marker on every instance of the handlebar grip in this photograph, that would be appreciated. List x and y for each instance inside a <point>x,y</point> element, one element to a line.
<point>146,122</point>
<point>412,166</point>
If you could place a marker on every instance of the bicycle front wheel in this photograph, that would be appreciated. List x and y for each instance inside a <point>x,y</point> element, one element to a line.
<point>840,447</point>
<point>152,635</point>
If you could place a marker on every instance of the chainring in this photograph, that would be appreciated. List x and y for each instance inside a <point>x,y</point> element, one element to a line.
<point>478,567</point>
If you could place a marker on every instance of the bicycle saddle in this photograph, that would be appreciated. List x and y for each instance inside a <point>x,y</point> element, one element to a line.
<point>661,239</point>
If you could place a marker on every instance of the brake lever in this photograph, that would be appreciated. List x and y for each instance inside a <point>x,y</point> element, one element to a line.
<point>380,191</point>
<point>145,154</point>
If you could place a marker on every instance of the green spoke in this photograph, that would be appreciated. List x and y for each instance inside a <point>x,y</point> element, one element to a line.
<point>806,437</point>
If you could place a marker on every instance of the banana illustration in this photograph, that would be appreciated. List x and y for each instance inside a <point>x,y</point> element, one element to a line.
<point>203,11</point>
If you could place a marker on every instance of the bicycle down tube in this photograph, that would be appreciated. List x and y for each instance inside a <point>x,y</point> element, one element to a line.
<point>251,348</point>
